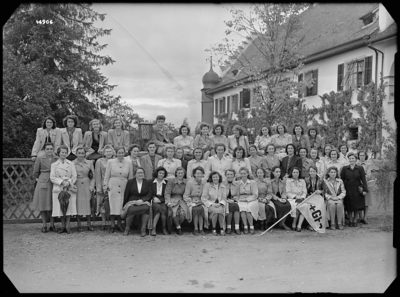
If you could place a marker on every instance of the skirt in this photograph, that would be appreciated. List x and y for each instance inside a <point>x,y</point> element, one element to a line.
<point>233,207</point>
<point>116,194</point>
<point>159,208</point>
<point>138,210</point>
<point>198,210</point>
<point>251,207</point>
<point>212,210</point>
<point>281,208</point>
<point>71,211</point>
<point>264,208</point>
<point>42,197</point>
<point>83,196</point>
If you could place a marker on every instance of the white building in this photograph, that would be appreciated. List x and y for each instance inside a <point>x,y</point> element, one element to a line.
<point>345,45</point>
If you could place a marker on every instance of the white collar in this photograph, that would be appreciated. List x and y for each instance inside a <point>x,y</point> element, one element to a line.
<point>157,182</point>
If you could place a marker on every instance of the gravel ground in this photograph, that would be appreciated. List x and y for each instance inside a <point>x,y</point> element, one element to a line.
<point>358,260</point>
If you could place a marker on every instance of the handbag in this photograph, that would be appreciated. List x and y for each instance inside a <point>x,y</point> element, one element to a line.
<point>90,174</point>
<point>63,198</point>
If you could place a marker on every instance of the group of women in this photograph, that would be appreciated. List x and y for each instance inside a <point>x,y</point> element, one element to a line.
<point>217,182</point>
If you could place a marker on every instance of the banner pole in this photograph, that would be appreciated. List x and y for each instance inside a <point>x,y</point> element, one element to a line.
<point>286,214</point>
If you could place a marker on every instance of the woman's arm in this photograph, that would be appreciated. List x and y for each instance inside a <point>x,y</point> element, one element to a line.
<point>53,178</point>
<point>186,194</point>
<point>363,179</point>
<point>342,190</point>
<point>36,168</point>
<point>36,144</point>
<point>93,180</point>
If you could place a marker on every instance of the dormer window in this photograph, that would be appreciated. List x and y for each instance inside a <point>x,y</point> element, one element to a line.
<point>235,71</point>
<point>369,18</point>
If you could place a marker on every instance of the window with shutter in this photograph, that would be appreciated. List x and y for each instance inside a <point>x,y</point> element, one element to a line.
<point>228,102</point>
<point>235,103</point>
<point>368,70</point>
<point>245,99</point>
<point>312,81</point>
<point>340,75</point>
<point>301,91</point>
<point>216,106</point>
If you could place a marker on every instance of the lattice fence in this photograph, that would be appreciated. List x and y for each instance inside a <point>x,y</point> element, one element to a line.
<point>18,188</point>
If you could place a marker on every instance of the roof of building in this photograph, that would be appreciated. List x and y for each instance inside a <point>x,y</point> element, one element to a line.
<point>324,26</point>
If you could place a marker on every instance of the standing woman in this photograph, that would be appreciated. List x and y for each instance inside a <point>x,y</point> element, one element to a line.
<point>94,140</point>
<point>63,176</point>
<point>299,139</point>
<point>334,161</point>
<point>99,172</point>
<point>290,161</point>
<point>118,171</point>
<point>296,192</point>
<point>169,162</point>
<point>174,197</point>
<point>137,195</point>
<point>281,140</point>
<point>271,160</point>
<point>196,162</point>
<point>247,200</point>
<point>192,197</point>
<point>318,163</point>
<point>256,161</point>
<point>42,197</point>
<point>48,133</point>
<point>71,136</point>
<point>158,197</point>
<point>203,140</point>
<point>233,206</point>
<point>118,136</point>
<point>266,209</point>
<point>263,140</point>
<point>303,154</point>
<point>238,139</point>
<point>85,183</point>
<point>315,140</point>
<point>184,141</point>
<point>355,183</point>
<point>240,161</point>
<point>279,197</point>
<point>334,193</point>
<point>133,156</point>
<point>366,164</point>
<point>218,137</point>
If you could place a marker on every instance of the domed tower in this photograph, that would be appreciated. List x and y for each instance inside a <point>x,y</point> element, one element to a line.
<point>210,80</point>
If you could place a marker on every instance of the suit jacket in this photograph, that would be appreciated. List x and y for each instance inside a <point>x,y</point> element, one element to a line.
<point>160,135</point>
<point>55,136</point>
<point>88,139</point>
<point>145,161</point>
<point>294,162</point>
<point>76,139</point>
<point>317,186</point>
<point>132,193</point>
<point>112,139</point>
<point>154,190</point>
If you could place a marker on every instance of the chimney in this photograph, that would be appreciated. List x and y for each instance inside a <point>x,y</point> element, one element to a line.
<point>385,20</point>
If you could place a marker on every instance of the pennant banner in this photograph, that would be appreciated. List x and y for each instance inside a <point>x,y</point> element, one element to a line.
<point>314,211</point>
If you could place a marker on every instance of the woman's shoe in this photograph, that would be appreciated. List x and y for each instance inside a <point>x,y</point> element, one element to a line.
<point>237,231</point>
<point>202,232</point>
<point>44,229</point>
<point>245,231</point>
<point>228,231</point>
<point>251,230</point>
<point>164,231</point>
<point>153,232</point>
<point>90,228</point>
<point>298,229</point>
<point>126,232</point>
<point>341,227</point>
<point>222,232</point>
<point>214,232</point>
<point>53,229</point>
<point>68,230</point>
<point>119,228</point>
<point>112,230</point>
<point>61,230</point>
<point>179,231</point>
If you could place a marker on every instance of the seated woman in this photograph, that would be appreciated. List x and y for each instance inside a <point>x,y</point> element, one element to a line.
<point>247,200</point>
<point>71,135</point>
<point>214,198</point>
<point>192,196</point>
<point>256,161</point>
<point>203,140</point>
<point>196,162</point>
<point>118,136</point>
<point>238,139</point>
<point>279,197</point>
<point>63,176</point>
<point>314,185</point>
<point>334,193</point>
<point>290,161</point>
<point>184,141</point>
<point>281,140</point>
<point>158,195</point>
<point>240,161</point>
<point>48,133</point>
<point>218,137</point>
<point>42,197</point>
<point>262,140</point>
<point>266,209</point>
<point>94,140</point>
<point>177,208</point>
<point>233,206</point>
<point>137,195</point>
<point>296,192</point>
<point>169,162</point>
<point>306,162</point>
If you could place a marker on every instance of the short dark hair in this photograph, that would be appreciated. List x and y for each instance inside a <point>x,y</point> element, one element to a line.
<point>292,145</point>
<point>184,126</point>
<point>132,147</point>
<point>352,154</point>
<point>204,125</point>
<point>160,117</point>
<point>202,152</point>
<point>149,143</point>
<point>80,147</point>
<point>209,180</point>
<point>323,151</point>
<point>72,117</point>
<point>284,128</point>
<point>252,145</point>
<point>263,170</point>
<point>144,171</point>
<point>365,153</point>
<point>216,126</point>
<point>119,148</point>
<point>291,171</point>
<point>237,149</point>
<point>343,144</point>
<point>312,167</point>
<point>197,168</point>
<point>302,148</point>
<point>179,168</point>
<point>266,148</point>
<point>332,168</point>
<point>230,170</point>
<point>49,144</point>
<point>312,128</point>
<point>334,150</point>
<point>297,125</point>
<point>158,169</point>
<point>272,172</point>
<point>62,147</point>
<point>269,131</point>
<point>49,117</point>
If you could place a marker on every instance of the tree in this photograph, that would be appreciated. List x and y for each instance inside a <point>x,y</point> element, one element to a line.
<point>51,67</point>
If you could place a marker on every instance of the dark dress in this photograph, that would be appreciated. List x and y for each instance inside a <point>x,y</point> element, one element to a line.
<point>279,190</point>
<point>159,207</point>
<point>352,179</point>
<point>233,207</point>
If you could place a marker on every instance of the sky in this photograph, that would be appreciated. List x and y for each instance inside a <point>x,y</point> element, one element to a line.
<point>147,39</point>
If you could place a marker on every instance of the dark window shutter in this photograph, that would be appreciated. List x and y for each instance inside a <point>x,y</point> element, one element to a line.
<point>229,104</point>
<point>315,85</point>
<point>241,100</point>
<point>246,98</point>
<point>340,75</point>
<point>300,92</point>
<point>368,70</point>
